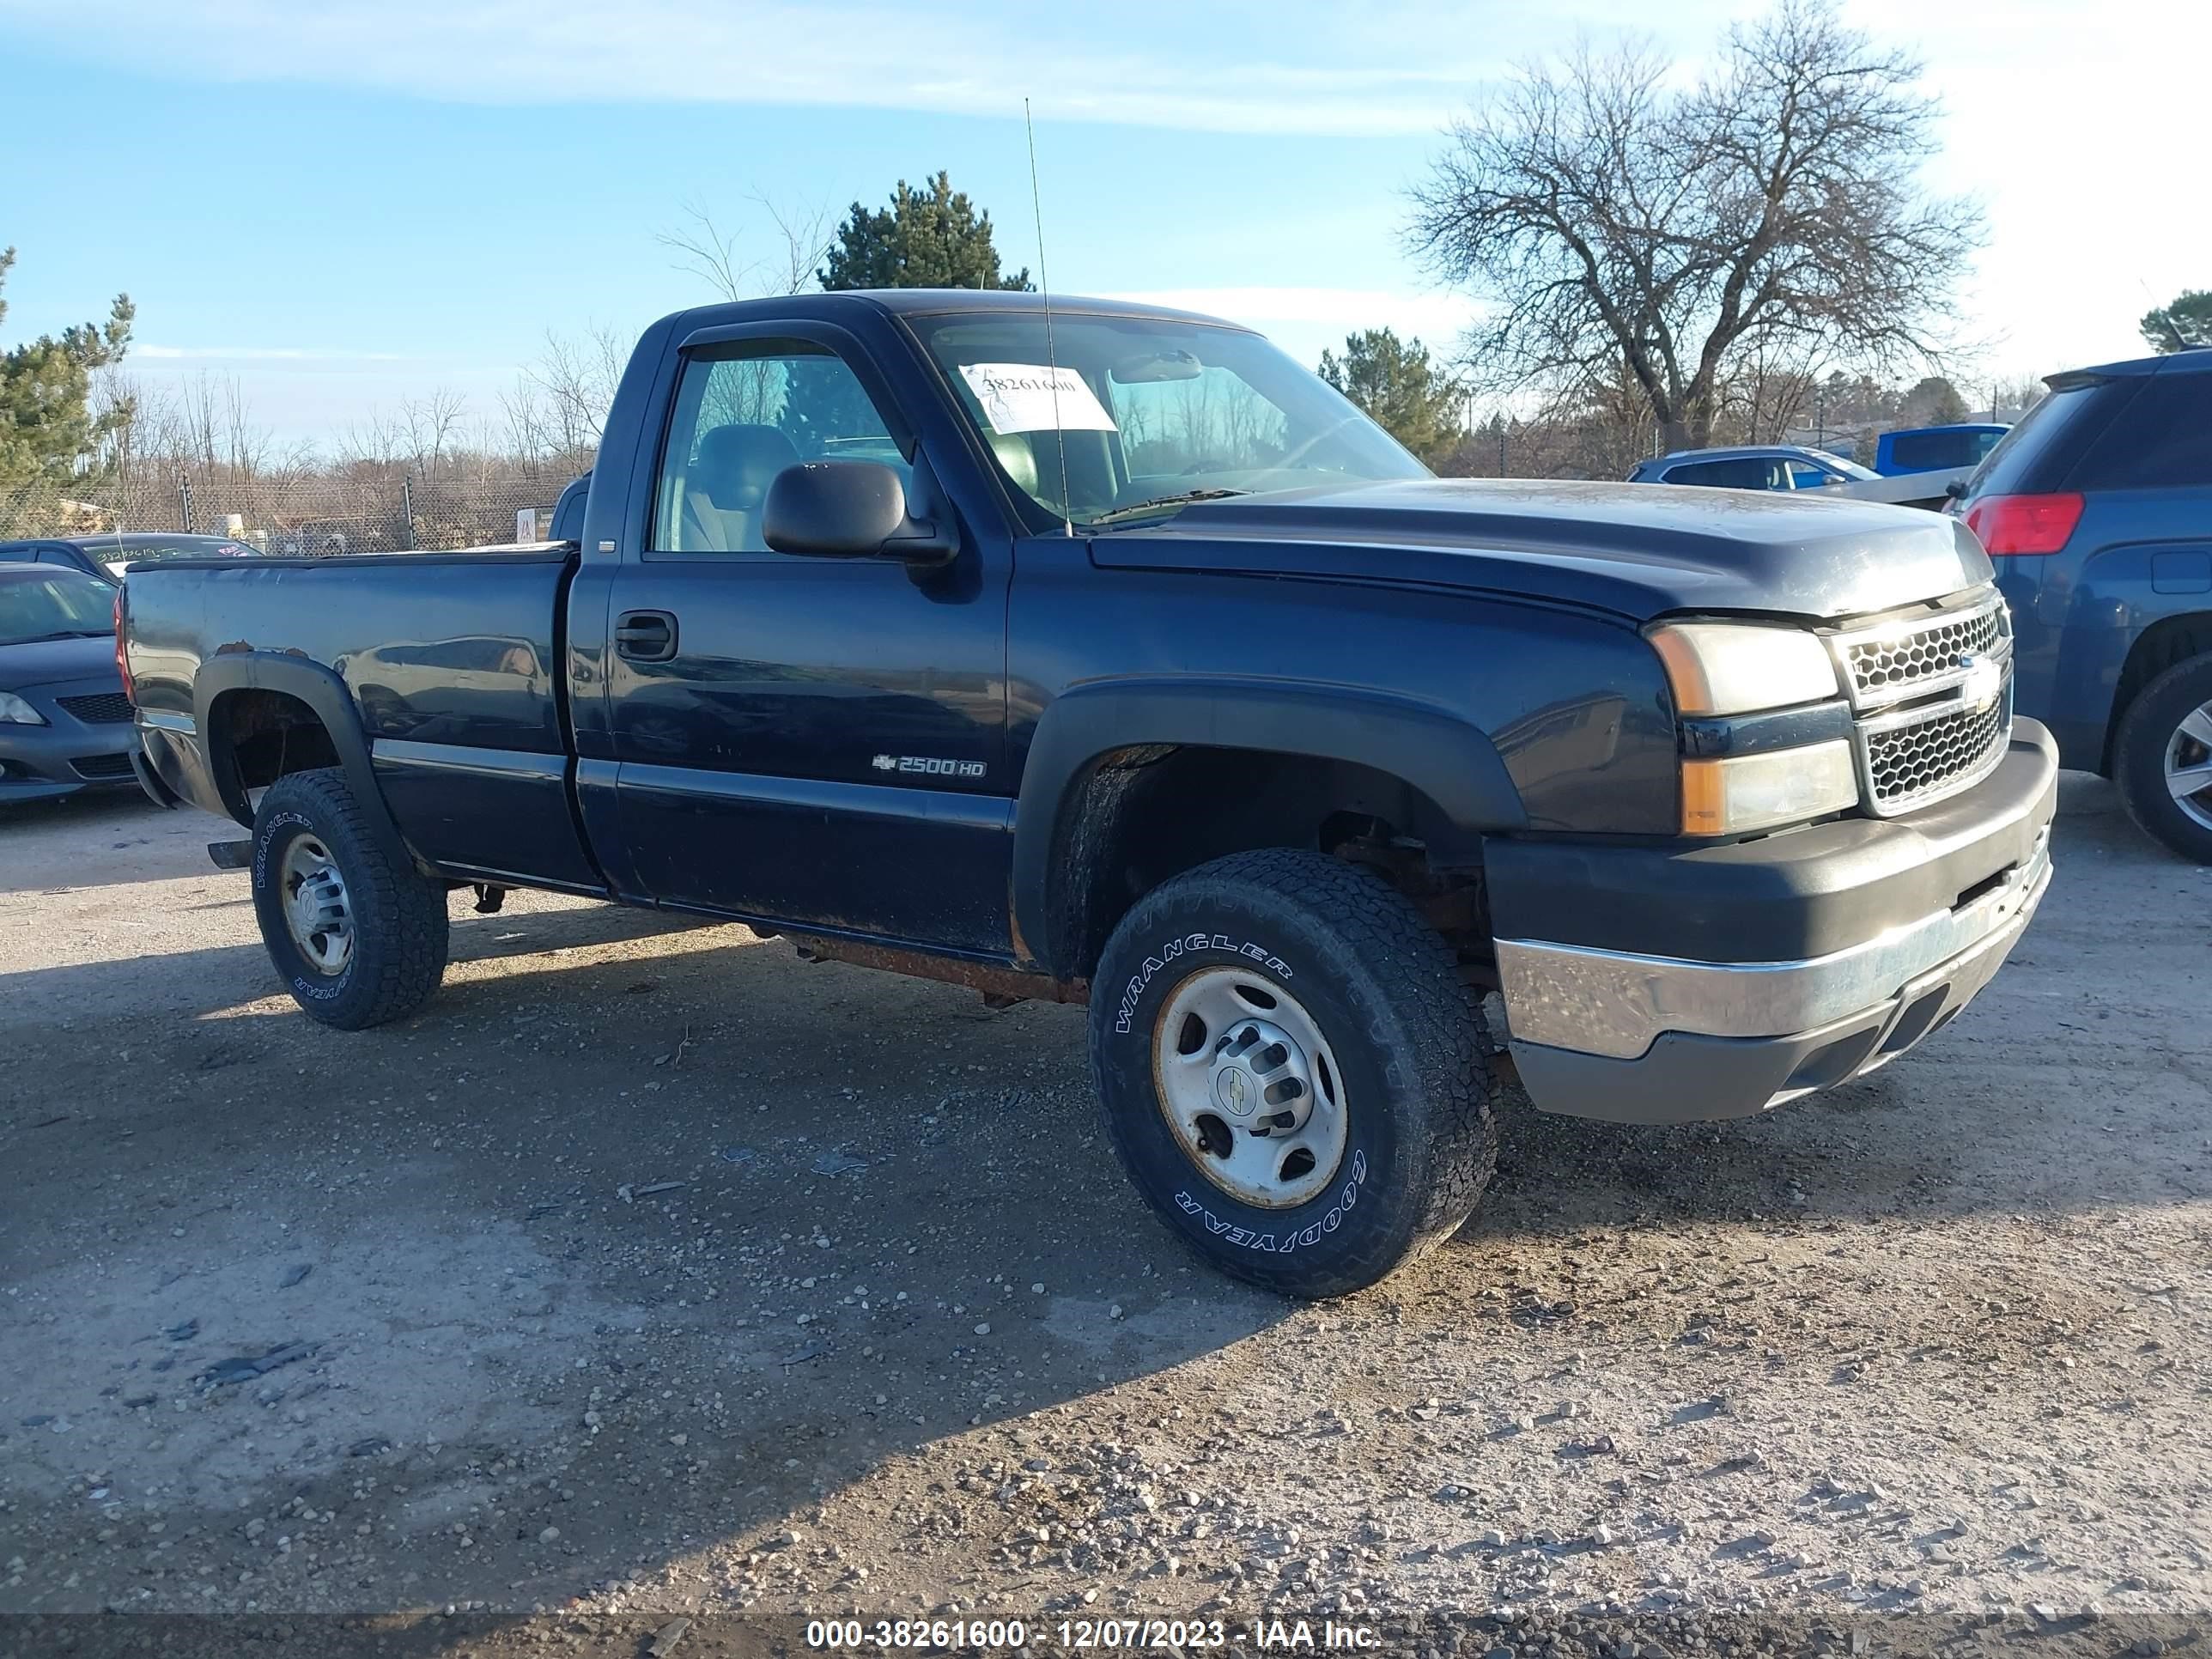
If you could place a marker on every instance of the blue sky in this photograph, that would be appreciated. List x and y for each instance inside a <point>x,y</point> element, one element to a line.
<point>345,205</point>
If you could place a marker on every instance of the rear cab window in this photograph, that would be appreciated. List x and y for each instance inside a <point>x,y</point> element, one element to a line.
<point>1938,452</point>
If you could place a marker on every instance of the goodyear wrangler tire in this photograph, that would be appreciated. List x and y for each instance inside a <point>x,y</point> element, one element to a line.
<point>1292,1071</point>
<point>359,939</point>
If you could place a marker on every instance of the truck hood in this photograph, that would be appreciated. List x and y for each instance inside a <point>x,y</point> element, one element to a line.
<point>1639,551</point>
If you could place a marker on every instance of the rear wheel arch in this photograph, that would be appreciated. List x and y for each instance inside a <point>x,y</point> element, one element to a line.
<point>264,715</point>
<point>1131,785</point>
<point>2161,756</point>
<point>2166,643</point>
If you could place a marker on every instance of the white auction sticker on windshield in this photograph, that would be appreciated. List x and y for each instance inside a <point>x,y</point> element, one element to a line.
<point>1033,398</point>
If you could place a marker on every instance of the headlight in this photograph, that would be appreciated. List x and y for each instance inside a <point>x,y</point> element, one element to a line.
<point>14,711</point>
<point>1735,668</point>
<point>1718,670</point>
<point>1743,792</point>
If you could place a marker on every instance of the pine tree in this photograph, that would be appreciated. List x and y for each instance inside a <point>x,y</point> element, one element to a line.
<point>1395,382</point>
<point>50,439</point>
<point>930,237</point>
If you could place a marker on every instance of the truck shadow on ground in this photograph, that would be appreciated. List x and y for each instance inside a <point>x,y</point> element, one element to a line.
<point>870,1175</point>
<point>703,1238</point>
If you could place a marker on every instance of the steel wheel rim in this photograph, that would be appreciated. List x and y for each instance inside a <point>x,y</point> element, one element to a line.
<point>317,911</point>
<point>2189,765</point>
<point>1233,1056</point>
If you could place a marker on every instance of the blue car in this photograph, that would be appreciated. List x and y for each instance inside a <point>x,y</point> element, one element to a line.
<point>1751,466</point>
<point>1936,448</point>
<point>53,551</point>
<point>2097,510</point>
<point>66,723</point>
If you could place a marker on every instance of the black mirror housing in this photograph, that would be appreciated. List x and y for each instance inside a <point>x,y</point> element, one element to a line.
<point>846,510</point>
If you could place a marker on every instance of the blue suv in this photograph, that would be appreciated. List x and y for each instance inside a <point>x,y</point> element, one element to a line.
<point>2097,510</point>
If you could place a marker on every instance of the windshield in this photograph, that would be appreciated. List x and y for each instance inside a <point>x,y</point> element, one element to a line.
<point>56,603</point>
<point>1836,462</point>
<point>134,550</point>
<point>1152,413</point>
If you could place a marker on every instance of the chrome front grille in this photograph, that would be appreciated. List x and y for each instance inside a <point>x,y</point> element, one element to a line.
<point>1933,694</point>
<point>1910,760</point>
<point>1887,662</point>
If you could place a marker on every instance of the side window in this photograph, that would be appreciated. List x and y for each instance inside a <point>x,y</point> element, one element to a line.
<point>740,418</point>
<point>1740,473</point>
<point>1930,451</point>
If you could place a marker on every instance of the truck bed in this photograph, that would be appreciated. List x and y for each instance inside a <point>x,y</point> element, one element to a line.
<point>453,660</point>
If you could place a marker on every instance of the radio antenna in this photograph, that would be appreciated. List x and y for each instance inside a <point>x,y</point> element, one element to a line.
<point>1051,356</point>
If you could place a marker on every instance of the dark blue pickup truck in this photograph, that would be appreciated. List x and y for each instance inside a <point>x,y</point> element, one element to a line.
<point>1110,656</point>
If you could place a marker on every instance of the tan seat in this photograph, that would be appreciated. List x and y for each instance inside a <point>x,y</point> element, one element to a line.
<point>1019,459</point>
<point>725,485</point>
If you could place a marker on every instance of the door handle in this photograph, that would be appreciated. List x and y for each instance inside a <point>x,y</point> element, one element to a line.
<point>645,636</point>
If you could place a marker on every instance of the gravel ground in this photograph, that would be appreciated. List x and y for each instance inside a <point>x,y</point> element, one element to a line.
<point>650,1271</point>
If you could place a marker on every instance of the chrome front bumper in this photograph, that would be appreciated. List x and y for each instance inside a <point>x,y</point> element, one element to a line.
<point>1608,1002</point>
<point>1651,1039</point>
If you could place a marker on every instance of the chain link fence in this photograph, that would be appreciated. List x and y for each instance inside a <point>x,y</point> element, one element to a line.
<point>312,515</point>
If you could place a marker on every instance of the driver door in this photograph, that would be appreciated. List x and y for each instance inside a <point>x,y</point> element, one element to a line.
<point>811,740</point>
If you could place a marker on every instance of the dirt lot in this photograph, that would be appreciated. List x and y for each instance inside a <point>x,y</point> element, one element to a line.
<point>294,1321</point>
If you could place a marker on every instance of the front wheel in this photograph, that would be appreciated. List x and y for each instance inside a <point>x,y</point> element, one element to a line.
<point>2162,758</point>
<point>1291,1071</point>
<point>358,937</point>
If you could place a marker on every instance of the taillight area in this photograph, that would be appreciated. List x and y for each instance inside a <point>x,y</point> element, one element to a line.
<point>122,655</point>
<point>2023,524</point>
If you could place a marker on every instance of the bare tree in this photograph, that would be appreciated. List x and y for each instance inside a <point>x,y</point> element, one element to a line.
<point>1615,223</point>
<point>375,445</point>
<point>432,424</point>
<point>523,408</point>
<point>805,236</point>
<point>577,374</point>
<point>708,253</point>
<point>248,445</point>
<point>1766,395</point>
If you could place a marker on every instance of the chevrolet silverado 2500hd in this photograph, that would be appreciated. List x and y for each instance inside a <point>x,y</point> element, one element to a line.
<point>1110,656</point>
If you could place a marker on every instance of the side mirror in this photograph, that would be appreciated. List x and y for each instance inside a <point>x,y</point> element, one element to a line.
<point>847,510</point>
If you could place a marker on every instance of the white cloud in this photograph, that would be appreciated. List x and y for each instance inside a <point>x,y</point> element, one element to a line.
<point>1149,62</point>
<point>1428,314</point>
<point>262,354</point>
<point>1307,321</point>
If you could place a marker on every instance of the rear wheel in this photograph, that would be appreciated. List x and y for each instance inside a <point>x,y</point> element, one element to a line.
<point>2162,758</point>
<point>1291,1071</point>
<point>358,937</point>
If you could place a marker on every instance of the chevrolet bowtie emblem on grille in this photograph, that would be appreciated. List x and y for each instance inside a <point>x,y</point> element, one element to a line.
<point>1984,680</point>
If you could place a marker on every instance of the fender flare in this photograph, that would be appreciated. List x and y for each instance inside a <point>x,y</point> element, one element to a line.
<point>1452,762</point>
<point>332,703</point>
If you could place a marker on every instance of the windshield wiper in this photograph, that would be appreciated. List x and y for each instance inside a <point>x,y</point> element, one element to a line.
<point>67,634</point>
<point>1158,501</point>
